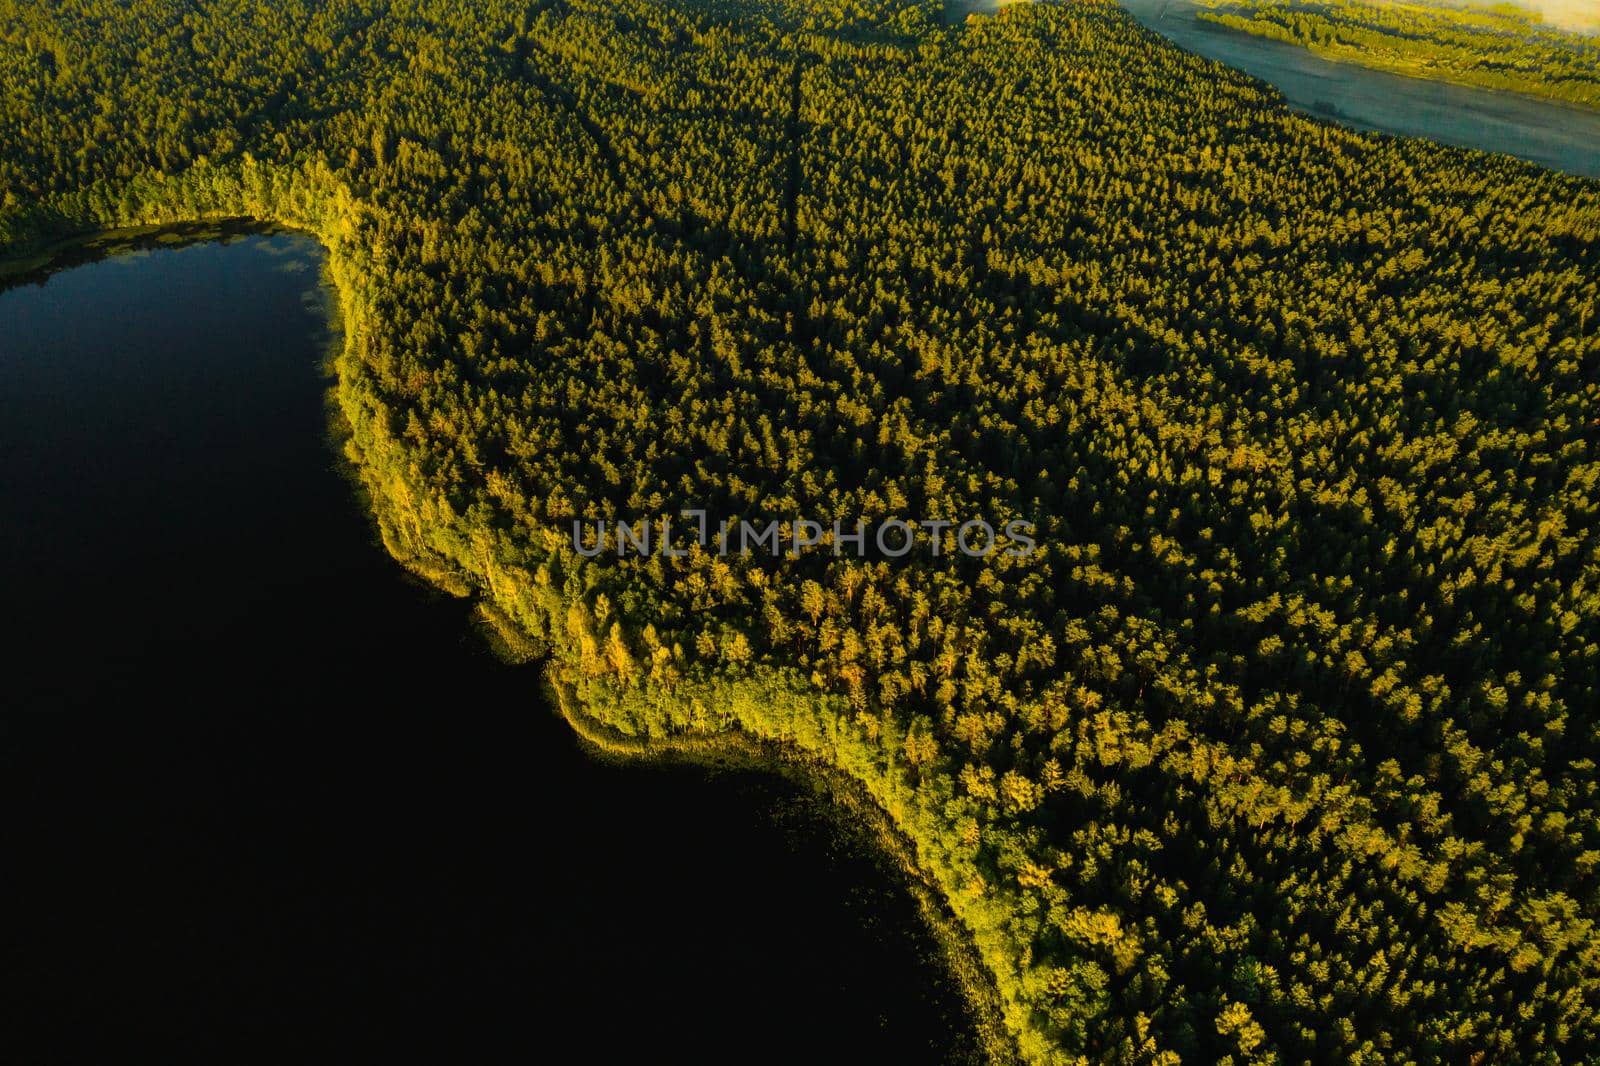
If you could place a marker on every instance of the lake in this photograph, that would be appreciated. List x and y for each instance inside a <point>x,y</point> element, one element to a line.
<point>266,800</point>
<point>1546,132</point>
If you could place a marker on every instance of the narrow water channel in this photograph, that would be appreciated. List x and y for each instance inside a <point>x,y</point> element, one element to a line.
<point>1547,132</point>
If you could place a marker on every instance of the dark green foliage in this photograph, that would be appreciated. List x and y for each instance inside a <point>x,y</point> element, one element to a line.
<point>1281,747</point>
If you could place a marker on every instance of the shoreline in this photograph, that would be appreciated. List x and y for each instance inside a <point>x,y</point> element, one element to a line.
<point>1397,68</point>
<point>849,800</point>
<point>25,264</point>
<point>737,750</point>
<point>1556,135</point>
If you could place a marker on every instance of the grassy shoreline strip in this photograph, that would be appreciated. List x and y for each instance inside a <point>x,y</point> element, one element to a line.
<point>1446,63</point>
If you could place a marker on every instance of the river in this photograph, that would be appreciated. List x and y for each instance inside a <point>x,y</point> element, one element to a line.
<point>264,800</point>
<point>1546,132</point>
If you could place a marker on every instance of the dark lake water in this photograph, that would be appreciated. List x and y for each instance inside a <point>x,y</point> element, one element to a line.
<point>264,800</point>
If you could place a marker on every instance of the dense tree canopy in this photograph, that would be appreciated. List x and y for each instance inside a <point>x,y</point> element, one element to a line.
<point>1280,747</point>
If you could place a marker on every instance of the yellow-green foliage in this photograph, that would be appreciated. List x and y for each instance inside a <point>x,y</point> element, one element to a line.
<point>1503,46</point>
<point>1280,747</point>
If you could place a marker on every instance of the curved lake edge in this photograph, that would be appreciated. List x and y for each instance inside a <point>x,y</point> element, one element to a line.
<point>846,799</point>
<point>850,805</point>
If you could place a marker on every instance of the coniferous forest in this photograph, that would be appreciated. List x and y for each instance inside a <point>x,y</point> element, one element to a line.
<point>1280,747</point>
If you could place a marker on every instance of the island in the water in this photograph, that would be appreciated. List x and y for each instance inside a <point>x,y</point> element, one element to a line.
<point>1278,745</point>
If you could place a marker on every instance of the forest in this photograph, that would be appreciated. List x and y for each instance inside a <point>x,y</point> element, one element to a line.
<point>1497,46</point>
<point>1280,747</point>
